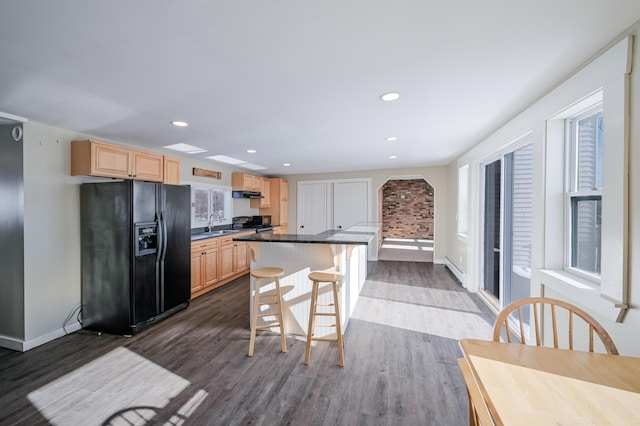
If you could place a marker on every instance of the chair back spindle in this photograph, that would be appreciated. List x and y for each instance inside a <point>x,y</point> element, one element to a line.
<point>594,327</point>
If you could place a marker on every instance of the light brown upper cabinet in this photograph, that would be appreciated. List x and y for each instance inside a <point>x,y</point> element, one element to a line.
<point>279,208</point>
<point>246,182</point>
<point>171,170</point>
<point>94,158</point>
<point>265,190</point>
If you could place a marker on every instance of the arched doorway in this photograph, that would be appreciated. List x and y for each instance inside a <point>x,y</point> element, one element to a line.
<point>407,215</point>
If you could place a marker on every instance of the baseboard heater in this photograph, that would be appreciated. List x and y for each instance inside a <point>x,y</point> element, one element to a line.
<point>459,273</point>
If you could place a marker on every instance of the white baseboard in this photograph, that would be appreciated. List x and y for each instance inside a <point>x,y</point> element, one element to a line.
<point>11,343</point>
<point>460,275</point>
<point>25,345</point>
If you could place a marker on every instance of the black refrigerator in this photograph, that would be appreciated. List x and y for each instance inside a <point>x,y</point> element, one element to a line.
<point>136,264</point>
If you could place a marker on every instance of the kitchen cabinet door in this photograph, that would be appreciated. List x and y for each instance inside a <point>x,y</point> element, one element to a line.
<point>93,158</point>
<point>241,257</point>
<point>211,267</point>
<point>265,201</point>
<point>284,203</point>
<point>226,261</point>
<point>197,282</point>
<point>171,173</point>
<point>147,166</point>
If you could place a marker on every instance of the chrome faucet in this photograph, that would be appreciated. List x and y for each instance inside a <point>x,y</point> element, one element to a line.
<point>218,216</point>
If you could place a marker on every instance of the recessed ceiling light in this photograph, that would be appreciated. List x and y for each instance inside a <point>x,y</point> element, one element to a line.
<point>180,123</point>
<point>392,157</point>
<point>186,148</point>
<point>391,138</point>
<point>390,96</point>
<point>251,151</point>
<point>286,164</point>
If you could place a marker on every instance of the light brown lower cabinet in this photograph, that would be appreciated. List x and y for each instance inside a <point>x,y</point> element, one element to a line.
<point>217,261</point>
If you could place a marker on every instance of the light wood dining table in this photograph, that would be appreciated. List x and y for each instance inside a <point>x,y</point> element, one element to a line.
<point>530,385</point>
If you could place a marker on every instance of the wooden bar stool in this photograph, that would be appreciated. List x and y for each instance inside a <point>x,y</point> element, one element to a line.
<point>335,278</point>
<point>273,298</point>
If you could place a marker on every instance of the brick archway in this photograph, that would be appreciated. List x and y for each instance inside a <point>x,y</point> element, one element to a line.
<point>407,209</point>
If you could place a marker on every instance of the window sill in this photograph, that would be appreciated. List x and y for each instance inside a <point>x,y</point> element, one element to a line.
<point>584,293</point>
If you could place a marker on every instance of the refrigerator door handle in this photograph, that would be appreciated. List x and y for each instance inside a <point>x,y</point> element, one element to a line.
<point>162,256</point>
<point>164,237</point>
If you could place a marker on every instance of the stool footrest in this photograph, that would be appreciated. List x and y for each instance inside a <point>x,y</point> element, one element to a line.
<point>261,327</point>
<point>324,339</point>
<point>325,314</point>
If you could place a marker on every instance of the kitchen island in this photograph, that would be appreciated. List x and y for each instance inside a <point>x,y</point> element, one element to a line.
<point>344,251</point>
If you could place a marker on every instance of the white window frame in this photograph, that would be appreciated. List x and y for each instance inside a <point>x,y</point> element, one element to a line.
<point>571,175</point>
<point>463,202</point>
<point>607,77</point>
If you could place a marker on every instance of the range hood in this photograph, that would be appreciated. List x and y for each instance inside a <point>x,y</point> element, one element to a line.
<point>246,194</point>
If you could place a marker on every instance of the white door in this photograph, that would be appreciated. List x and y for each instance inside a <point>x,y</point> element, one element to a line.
<point>351,203</point>
<point>314,203</point>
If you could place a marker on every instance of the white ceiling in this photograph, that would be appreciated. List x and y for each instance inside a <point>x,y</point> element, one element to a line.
<point>297,81</point>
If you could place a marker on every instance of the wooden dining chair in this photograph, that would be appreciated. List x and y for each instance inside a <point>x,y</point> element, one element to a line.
<point>538,303</point>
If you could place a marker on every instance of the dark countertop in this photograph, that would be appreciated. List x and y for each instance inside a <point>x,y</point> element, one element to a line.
<point>327,237</point>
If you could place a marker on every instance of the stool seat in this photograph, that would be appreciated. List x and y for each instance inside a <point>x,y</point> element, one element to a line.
<point>335,278</point>
<point>274,298</point>
<point>269,272</point>
<point>325,276</point>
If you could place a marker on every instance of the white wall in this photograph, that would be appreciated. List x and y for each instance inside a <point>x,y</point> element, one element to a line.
<point>52,234</point>
<point>436,176</point>
<point>534,119</point>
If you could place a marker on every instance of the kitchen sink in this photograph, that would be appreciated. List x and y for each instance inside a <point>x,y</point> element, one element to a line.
<point>210,234</point>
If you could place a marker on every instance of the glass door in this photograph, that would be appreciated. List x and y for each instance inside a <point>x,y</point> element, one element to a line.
<point>508,207</point>
<point>518,206</point>
<point>492,213</point>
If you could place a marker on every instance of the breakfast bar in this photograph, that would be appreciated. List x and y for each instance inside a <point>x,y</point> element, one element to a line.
<point>344,251</point>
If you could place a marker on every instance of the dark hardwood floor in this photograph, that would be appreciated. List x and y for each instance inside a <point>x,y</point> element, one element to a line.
<point>401,347</point>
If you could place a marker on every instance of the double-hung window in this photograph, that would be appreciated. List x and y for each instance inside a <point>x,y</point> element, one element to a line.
<point>584,193</point>
<point>210,206</point>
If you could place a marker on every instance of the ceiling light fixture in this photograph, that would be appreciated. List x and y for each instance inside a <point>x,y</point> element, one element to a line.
<point>391,139</point>
<point>225,159</point>
<point>251,166</point>
<point>389,96</point>
<point>180,123</point>
<point>392,157</point>
<point>286,164</point>
<point>186,148</point>
<point>251,151</point>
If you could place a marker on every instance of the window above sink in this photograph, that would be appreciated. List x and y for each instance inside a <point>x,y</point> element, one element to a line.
<point>210,206</point>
